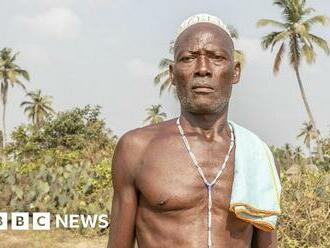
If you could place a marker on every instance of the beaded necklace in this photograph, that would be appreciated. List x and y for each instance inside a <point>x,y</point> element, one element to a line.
<point>208,184</point>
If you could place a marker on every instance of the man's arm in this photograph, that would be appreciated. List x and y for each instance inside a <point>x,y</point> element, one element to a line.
<point>262,239</point>
<point>124,202</point>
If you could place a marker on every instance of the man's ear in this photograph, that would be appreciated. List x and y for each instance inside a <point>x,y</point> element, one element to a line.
<point>171,74</point>
<point>237,73</point>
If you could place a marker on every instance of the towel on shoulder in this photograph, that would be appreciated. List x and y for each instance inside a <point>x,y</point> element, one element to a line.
<point>256,187</point>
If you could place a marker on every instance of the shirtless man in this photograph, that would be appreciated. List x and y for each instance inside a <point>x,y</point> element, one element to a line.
<point>159,198</point>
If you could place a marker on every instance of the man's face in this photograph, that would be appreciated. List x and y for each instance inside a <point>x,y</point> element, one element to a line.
<point>204,69</point>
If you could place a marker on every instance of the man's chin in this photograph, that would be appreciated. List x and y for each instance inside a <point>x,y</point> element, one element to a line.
<point>204,108</point>
<point>202,105</point>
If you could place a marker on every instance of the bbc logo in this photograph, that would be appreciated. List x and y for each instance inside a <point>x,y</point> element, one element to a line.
<point>20,221</point>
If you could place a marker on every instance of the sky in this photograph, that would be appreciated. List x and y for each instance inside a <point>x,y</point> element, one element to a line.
<point>106,52</point>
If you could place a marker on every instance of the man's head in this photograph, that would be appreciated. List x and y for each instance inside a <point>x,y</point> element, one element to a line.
<point>204,68</point>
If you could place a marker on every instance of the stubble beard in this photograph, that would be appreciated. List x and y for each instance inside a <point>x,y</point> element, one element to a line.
<point>219,105</point>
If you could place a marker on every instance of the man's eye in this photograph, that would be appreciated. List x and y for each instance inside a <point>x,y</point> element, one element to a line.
<point>218,57</point>
<point>187,58</point>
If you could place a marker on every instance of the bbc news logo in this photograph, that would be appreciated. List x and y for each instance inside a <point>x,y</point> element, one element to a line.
<point>41,221</point>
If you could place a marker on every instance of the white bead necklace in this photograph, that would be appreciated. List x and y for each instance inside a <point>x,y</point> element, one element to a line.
<point>208,184</point>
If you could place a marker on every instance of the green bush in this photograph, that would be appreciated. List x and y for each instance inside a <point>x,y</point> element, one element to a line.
<point>62,166</point>
<point>72,188</point>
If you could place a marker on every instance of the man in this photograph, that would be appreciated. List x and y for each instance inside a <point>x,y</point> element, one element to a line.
<point>162,198</point>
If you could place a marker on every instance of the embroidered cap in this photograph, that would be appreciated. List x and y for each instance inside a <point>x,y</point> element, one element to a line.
<point>199,18</point>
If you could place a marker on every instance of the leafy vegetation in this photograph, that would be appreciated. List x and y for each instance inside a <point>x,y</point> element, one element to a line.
<point>63,166</point>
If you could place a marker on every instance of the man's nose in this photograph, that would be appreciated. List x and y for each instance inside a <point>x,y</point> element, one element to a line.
<point>203,68</point>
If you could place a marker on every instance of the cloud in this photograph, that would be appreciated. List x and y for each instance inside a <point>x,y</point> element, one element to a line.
<point>59,23</point>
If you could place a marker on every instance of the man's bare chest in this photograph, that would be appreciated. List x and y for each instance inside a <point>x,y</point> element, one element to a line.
<point>168,181</point>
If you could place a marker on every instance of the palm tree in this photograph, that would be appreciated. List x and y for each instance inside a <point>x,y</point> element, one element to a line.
<point>309,135</point>
<point>38,108</point>
<point>154,116</point>
<point>298,155</point>
<point>9,74</point>
<point>163,77</point>
<point>295,36</point>
<point>239,55</point>
<point>288,151</point>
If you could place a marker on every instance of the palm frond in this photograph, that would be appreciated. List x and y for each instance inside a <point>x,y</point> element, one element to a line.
<point>280,3</point>
<point>12,77</point>
<point>308,11</point>
<point>24,74</point>
<point>268,39</point>
<point>239,57</point>
<point>323,44</point>
<point>278,58</point>
<point>160,76</point>
<point>265,22</point>
<point>165,85</point>
<point>26,103</point>
<point>272,38</point>
<point>309,53</point>
<point>281,36</point>
<point>233,32</point>
<point>319,19</point>
<point>13,58</point>
<point>171,49</point>
<point>165,62</point>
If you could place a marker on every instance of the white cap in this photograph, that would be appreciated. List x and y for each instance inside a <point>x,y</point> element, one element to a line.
<point>199,18</point>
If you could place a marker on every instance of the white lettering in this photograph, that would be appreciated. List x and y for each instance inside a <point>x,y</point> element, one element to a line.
<point>74,220</point>
<point>103,218</point>
<point>59,220</point>
<point>89,221</point>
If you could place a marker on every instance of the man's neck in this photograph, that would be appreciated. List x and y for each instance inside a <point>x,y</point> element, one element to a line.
<point>209,126</point>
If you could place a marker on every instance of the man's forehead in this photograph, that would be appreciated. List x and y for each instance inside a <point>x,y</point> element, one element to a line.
<point>206,29</point>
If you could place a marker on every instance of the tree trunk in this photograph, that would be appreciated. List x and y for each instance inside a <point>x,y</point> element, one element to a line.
<point>309,112</point>
<point>4,125</point>
<point>3,155</point>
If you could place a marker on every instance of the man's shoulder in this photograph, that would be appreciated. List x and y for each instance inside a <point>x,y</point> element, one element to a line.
<point>139,138</point>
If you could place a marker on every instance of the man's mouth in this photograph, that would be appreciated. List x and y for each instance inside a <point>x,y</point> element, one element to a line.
<point>202,89</point>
